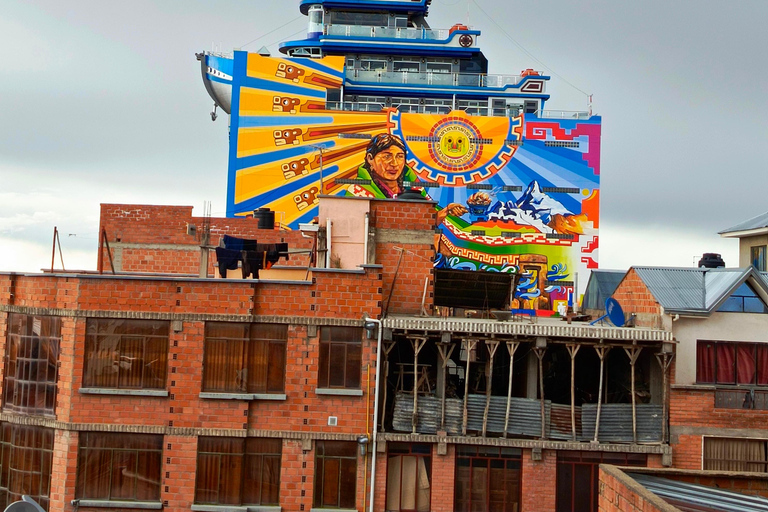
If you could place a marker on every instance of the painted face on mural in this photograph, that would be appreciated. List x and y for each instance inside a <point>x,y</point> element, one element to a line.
<point>387,164</point>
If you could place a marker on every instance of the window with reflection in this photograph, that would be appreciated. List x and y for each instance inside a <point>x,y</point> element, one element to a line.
<point>238,471</point>
<point>727,362</point>
<point>125,354</point>
<point>26,460</point>
<point>244,358</point>
<point>335,474</point>
<point>31,364</point>
<point>744,300</point>
<point>340,357</point>
<point>119,467</point>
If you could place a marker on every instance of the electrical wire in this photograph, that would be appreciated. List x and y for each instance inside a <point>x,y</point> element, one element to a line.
<point>286,37</point>
<point>529,54</point>
<point>272,31</point>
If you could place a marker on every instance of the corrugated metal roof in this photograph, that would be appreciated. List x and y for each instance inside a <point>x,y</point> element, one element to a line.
<point>759,222</point>
<point>601,285</point>
<point>693,497</point>
<point>550,328</point>
<point>694,290</point>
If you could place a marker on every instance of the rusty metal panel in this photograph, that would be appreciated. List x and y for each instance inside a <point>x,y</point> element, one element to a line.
<point>524,415</point>
<point>560,423</point>
<point>616,423</point>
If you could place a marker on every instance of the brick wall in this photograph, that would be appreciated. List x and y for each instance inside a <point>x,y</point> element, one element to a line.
<point>155,239</point>
<point>408,257</point>
<point>619,493</point>
<point>634,298</point>
<point>538,475</point>
<point>443,474</point>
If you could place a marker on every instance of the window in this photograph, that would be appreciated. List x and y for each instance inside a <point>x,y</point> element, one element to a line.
<point>125,354</point>
<point>744,300</point>
<point>244,358</point>
<point>757,257</point>
<point>577,477</point>
<point>367,64</point>
<point>487,478</point>
<point>119,467</point>
<point>723,454</point>
<point>409,475</point>
<point>26,457</point>
<point>406,65</point>
<point>335,474</point>
<point>31,364</point>
<point>340,357</point>
<point>237,471</point>
<point>719,362</point>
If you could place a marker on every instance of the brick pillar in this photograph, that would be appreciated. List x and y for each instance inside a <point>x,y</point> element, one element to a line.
<point>179,465</point>
<point>297,471</point>
<point>380,492</point>
<point>443,475</point>
<point>71,364</point>
<point>539,482</point>
<point>63,471</point>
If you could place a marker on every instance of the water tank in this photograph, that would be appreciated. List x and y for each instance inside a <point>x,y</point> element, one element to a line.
<point>265,217</point>
<point>711,260</point>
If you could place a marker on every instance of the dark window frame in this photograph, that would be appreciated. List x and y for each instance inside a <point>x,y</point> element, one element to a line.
<point>246,453</point>
<point>111,354</point>
<point>744,300</point>
<point>30,376</point>
<point>120,449</point>
<point>261,351</point>
<point>335,474</point>
<point>589,465</point>
<point>759,446</point>
<point>477,458</point>
<point>758,254</point>
<point>340,358</point>
<point>26,456</point>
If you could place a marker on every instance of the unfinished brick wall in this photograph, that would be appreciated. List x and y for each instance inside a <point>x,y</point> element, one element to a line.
<point>619,493</point>
<point>538,475</point>
<point>634,298</point>
<point>155,239</point>
<point>405,248</point>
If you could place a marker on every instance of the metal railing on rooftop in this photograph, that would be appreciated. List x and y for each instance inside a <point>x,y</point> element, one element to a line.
<point>393,33</point>
<point>562,114</point>
<point>432,78</point>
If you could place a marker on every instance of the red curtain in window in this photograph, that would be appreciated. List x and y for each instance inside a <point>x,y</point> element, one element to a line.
<point>726,373</point>
<point>745,363</point>
<point>705,362</point>
<point>762,364</point>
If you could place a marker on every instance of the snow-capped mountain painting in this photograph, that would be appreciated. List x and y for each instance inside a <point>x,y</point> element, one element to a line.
<point>534,208</point>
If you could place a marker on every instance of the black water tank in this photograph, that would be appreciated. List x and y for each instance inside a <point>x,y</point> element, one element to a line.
<point>265,218</point>
<point>711,260</point>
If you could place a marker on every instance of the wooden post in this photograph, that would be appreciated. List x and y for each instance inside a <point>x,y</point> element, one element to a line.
<point>512,347</point>
<point>602,351</point>
<point>633,353</point>
<point>418,343</point>
<point>540,351</point>
<point>387,348</point>
<point>665,360</point>
<point>573,349</point>
<point>469,346</point>
<point>492,345</point>
<point>445,350</point>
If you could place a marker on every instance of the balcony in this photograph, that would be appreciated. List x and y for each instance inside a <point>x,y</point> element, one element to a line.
<point>421,34</point>
<point>433,79</point>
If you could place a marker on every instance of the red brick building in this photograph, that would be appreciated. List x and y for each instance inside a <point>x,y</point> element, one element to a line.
<point>154,388</point>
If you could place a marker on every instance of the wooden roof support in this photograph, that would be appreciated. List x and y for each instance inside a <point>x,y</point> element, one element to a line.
<point>573,349</point>
<point>492,345</point>
<point>633,353</point>
<point>445,349</point>
<point>417,342</point>
<point>512,347</point>
<point>468,344</point>
<point>602,352</point>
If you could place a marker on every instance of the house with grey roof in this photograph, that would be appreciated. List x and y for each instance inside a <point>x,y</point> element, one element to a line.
<point>718,392</point>
<point>753,241</point>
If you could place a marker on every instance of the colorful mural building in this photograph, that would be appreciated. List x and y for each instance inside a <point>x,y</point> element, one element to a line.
<point>375,103</point>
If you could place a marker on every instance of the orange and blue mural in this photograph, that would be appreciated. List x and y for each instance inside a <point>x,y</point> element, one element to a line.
<point>514,194</point>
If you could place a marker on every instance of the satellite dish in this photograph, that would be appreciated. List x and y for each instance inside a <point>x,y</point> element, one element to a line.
<point>26,505</point>
<point>613,312</point>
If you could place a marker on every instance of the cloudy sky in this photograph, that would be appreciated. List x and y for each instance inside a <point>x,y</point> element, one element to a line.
<point>102,102</point>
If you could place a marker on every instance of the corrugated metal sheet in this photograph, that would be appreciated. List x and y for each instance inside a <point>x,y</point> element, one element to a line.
<point>674,288</point>
<point>720,282</point>
<point>429,414</point>
<point>524,415</point>
<point>547,328</point>
<point>601,285</point>
<point>759,222</point>
<point>694,498</point>
<point>616,423</point>
<point>560,423</point>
